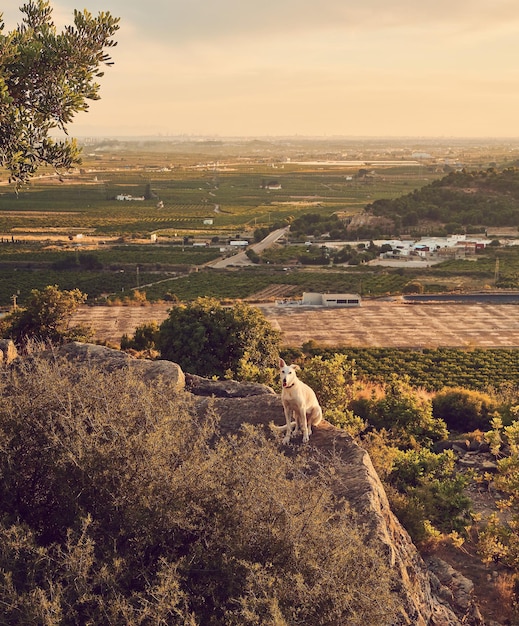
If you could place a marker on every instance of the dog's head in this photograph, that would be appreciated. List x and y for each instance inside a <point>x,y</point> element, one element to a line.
<point>287,373</point>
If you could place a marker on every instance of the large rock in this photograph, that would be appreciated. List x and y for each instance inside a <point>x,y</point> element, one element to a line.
<point>110,360</point>
<point>224,388</point>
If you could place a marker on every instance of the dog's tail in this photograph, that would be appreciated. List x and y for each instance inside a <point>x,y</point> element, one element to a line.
<point>280,429</point>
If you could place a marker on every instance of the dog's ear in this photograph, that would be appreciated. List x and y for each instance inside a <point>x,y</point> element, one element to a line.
<point>282,363</point>
<point>295,366</point>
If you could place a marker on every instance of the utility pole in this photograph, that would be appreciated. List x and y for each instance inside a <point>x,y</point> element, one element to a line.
<point>496,272</point>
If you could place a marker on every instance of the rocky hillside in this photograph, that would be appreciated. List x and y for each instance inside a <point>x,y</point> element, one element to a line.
<point>430,594</point>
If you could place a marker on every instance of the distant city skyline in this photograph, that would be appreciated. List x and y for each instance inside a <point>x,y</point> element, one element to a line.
<point>299,67</point>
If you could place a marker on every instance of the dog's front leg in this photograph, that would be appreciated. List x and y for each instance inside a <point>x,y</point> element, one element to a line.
<point>304,426</point>
<point>288,433</point>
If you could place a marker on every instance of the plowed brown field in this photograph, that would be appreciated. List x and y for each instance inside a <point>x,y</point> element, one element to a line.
<point>382,324</point>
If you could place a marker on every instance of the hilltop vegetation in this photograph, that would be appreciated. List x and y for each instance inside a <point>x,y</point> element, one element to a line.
<point>461,201</point>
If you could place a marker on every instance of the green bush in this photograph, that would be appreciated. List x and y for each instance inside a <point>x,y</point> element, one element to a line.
<point>208,339</point>
<point>431,485</point>
<point>405,412</point>
<point>332,379</point>
<point>144,338</point>
<point>46,317</point>
<point>464,410</point>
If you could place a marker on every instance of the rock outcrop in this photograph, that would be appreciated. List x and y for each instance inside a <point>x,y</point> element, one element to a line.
<point>425,595</point>
<point>425,600</point>
<point>8,352</point>
<point>110,360</point>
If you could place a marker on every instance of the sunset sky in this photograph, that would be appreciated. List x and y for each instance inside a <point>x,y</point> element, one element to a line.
<point>305,67</point>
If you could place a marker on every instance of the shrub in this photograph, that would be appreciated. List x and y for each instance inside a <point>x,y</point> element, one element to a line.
<point>405,412</point>
<point>208,339</point>
<point>144,338</point>
<point>413,287</point>
<point>464,410</point>
<point>332,379</point>
<point>46,317</point>
<point>431,485</point>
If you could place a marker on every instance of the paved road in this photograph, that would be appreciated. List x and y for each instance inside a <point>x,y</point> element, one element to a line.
<point>240,258</point>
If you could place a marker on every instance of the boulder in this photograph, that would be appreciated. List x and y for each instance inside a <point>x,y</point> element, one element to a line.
<point>224,388</point>
<point>111,360</point>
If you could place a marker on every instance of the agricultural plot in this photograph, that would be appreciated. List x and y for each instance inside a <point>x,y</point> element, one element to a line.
<point>398,325</point>
<point>272,293</point>
<point>374,324</point>
<point>179,198</point>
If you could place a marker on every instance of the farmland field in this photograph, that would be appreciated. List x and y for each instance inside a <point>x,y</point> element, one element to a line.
<point>374,324</point>
<point>181,191</point>
<point>71,230</point>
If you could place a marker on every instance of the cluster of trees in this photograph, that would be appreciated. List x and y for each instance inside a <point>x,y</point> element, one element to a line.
<point>316,225</point>
<point>463,201</point>
<point>83,261</point>
<point>308,225</point>
<point>319,254</point>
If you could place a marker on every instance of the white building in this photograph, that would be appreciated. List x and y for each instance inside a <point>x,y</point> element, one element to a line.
<point>330,299</point>
<point>128,198</point>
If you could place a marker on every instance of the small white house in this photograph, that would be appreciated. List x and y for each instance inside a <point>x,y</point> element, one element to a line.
<point>331,299</point>
<point>129,198</point>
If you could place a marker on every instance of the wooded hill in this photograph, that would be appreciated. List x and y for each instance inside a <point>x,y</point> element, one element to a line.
<point>470,199</point>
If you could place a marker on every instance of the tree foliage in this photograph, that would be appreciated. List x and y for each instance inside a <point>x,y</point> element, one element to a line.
<point>46,317</point>
<point>144,338</point>
<point>433,490</point>
<point>208,339</point>
<point>46,77</point>
<point>491,201</point>
<point>137,513</point>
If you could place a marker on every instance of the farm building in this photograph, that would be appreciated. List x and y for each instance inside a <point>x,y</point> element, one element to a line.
<point>129,198</point>
<point>330,299</point>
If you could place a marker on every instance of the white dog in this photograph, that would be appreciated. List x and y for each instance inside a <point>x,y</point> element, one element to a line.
<point>299,403</point>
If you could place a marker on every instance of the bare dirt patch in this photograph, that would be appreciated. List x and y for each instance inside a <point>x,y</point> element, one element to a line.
<point>374,324</point>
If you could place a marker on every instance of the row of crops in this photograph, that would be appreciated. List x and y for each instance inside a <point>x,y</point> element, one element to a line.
<point>433,369</point>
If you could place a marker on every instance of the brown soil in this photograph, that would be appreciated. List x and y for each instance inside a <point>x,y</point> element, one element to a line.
<point>491,583</point>
<point>374,324</point>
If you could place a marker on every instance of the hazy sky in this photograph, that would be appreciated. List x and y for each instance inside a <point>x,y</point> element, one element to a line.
<point>307,67</point>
